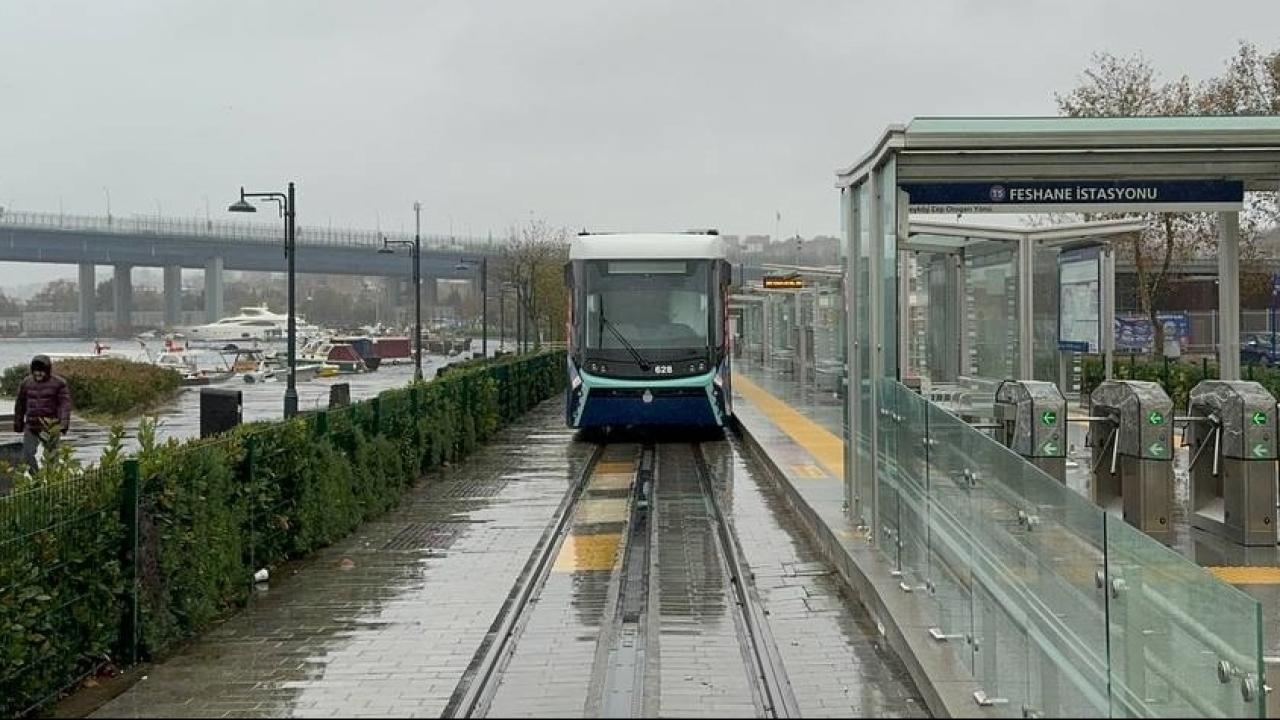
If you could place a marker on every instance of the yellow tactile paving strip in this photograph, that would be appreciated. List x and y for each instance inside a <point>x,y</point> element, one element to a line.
<point>825,447</point>
<point>1246,574</point>
<point>612,480</point>
<point>597,551</point>
<point>588,552</point>
<point>601,510</point>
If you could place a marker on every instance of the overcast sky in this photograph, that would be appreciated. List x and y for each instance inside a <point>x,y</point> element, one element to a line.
<point>601,115</point>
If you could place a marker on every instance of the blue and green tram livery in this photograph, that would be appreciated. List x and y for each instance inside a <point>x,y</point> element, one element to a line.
<point>648,344</point>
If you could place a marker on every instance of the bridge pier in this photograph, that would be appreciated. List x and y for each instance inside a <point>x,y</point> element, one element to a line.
<point>123,294</point>
<point>172,295</point>
<point>87,325</point>
<point>213,289</point>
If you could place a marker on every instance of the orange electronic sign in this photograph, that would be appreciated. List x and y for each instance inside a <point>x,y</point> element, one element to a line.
<point>777,282</point>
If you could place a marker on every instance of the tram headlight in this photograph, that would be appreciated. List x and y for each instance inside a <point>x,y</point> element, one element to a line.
<point>647,397</point>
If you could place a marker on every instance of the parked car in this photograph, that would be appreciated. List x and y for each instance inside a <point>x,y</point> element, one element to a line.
<point>1256,349</point>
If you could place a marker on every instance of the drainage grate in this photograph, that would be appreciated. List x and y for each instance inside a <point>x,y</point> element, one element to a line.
<point>422,536</point>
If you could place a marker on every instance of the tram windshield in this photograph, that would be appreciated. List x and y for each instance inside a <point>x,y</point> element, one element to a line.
<point>649,304</point>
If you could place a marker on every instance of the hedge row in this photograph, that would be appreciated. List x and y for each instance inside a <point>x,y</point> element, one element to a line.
<point>1179,378</point>
<point>209,513</point>
<point>109,386</point>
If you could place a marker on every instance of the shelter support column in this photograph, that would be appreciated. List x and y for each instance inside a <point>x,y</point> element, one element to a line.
<point>1228,295</point>
<point>88,324</point>
<point>213,289</point>
<point>1026,314</point>
<point>172,295</point>
<point>123,295</point>
<point>1108,329</point>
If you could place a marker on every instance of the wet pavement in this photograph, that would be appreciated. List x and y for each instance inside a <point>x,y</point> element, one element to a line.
<point>550,672</point>
<point>837,663</point>
<point>388,621</point>
<point>385,622</point>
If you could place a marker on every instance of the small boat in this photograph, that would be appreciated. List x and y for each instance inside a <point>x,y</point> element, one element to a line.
<point>260,374</point>
<point>339,355</point>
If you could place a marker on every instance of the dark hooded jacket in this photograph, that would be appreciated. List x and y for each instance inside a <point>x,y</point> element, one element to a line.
<point>48,399</point>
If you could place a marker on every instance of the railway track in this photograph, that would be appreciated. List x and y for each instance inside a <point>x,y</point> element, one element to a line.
<point>672,555</point>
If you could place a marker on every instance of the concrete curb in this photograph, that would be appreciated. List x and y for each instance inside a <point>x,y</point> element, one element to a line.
<point>938,668</point>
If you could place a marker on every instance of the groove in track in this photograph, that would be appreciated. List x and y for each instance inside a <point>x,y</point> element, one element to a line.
<point>766,661</point>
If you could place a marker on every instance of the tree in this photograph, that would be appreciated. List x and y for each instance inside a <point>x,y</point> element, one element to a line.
<point>532,259</point>
<point>57,295</point>
<point>1130,86</point>
<point>9,306</point>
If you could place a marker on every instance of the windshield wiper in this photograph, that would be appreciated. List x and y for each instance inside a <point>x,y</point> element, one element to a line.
<point>604,322</point>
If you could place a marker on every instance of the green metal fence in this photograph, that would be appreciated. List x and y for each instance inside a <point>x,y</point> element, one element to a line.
<point>121,563</point>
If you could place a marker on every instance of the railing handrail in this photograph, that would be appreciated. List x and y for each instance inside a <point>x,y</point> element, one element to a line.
<point>231,231</point>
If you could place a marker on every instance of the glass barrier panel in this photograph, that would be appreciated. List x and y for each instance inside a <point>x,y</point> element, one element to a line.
<point>1061,537</point>
<point>911,418</point>
<point>887,470</point>
<point>1182,642</point>
<point>950,542</point>
<point>1002,602</point>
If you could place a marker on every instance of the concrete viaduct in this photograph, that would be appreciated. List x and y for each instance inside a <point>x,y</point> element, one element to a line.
<point>175,244</point>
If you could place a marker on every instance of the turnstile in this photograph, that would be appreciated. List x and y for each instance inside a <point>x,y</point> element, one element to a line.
<point>1131,435</point>
<point>1232,432</point>
<point>1033,417</point>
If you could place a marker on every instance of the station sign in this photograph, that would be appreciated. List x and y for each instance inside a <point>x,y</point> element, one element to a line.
<point>1021,196</point>
<point>779,282</point>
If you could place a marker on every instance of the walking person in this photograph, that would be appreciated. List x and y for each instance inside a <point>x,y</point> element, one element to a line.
<point>42,412</point>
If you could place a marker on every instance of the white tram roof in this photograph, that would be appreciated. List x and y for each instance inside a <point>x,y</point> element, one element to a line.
<point>646,246</point>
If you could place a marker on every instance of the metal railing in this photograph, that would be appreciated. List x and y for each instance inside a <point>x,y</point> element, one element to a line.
<point>230,231</point>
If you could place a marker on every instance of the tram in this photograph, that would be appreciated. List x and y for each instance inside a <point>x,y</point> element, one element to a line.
<point>648,344</point>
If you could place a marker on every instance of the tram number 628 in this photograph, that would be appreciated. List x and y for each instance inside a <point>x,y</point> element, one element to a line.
<point>662,370</point>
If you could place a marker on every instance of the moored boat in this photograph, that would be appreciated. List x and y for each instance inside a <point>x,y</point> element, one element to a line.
<point>364,346</point>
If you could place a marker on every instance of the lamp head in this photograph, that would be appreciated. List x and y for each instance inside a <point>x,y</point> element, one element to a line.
<point>242,206</point>
<point>384,250</point>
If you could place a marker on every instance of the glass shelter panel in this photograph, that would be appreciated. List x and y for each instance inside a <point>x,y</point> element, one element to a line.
<point>862,404</point>
<point>885,255</point>
<point>991,315</point>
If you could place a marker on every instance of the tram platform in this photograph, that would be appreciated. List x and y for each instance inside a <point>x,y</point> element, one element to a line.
<point>798,433</point>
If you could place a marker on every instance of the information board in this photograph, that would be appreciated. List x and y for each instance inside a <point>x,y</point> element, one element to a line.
<point>1080,300</point>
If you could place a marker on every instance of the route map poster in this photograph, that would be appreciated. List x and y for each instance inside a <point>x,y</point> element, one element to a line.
<point>1080,300</point>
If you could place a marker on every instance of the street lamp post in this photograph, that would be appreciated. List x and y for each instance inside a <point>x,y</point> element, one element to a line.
<point>483,262</point>
<point>289,210</point>
<point>502,314</point>
<point>415,249</point>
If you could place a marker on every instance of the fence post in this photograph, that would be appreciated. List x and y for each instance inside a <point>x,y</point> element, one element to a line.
<point>375,404</point>
<point>129,500</point>
<point>322,423</point>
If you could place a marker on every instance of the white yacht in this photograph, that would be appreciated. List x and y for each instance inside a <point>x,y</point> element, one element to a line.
<point>253,323</point>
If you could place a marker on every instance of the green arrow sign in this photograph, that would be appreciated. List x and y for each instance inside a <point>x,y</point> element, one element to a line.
<point>1155,417</point>
<point>1259,418</point>
<point>1049,417</point>
<point>1157,448</point>
<point>1050,448</point>
<point>1260,450</point>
